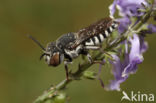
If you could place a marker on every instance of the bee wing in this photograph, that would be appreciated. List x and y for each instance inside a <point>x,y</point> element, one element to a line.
<point>94,29</point>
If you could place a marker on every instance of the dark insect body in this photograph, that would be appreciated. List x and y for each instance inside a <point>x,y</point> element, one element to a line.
<point>69,46</point>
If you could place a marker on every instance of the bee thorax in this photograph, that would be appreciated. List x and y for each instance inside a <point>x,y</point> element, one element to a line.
<point>75,52</point>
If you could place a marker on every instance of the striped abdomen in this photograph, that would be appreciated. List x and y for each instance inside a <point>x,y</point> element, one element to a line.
<point>98,38</point>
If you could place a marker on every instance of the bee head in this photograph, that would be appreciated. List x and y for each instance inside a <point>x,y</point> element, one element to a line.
<point>52,54</point>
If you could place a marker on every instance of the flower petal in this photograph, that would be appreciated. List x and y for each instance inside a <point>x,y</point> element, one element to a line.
<point>122,69</point>
<point>152,28</point>
<point>135,56</point>
<point>127,7</point>
<point>112,8</point>
<point>117,70</point>
<point>124,22</point>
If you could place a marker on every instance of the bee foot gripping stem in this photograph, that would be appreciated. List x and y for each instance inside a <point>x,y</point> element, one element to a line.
<point>94,61</point>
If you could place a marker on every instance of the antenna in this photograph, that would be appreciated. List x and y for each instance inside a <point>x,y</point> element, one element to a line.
<point>37,42</point>
<point>42,55</point>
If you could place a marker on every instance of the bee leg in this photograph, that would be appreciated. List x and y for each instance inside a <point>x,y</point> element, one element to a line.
<point>85,52</point>
<point>67,73</point>
<point>89,58</point>
<point>92,47</point>
<point>89,47</point>
<point>94,61</point>
<point>66,68</point>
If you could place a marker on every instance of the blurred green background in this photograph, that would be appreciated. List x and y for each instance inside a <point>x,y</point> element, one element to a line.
<point>23,77</point>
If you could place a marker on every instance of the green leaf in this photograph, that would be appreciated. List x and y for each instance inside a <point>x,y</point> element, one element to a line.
<point>60,98</point>
<point>89,74</point>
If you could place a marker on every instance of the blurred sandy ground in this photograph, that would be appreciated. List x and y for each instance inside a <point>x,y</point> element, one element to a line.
<point>23,77</point>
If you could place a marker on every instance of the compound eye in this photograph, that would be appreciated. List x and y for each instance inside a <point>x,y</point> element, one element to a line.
<point>55,59</point>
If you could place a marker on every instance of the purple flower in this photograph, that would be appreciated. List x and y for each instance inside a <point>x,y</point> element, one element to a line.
<point>135,56</point>
<point>117,72</point>
<point>124,22</point>
<point>143,45</point>
<point>127,7</point>
<point>122,69</point>
<point>152,28</point>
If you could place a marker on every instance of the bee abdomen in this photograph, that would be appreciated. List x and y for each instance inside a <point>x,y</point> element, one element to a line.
<point>99,38</point>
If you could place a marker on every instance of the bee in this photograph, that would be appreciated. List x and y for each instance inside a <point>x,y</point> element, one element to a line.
<point>69,46</point>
